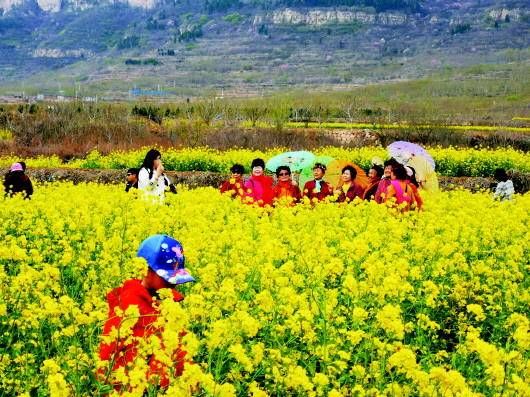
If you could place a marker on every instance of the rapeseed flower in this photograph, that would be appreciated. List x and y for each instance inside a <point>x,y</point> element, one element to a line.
<point>372,304</point>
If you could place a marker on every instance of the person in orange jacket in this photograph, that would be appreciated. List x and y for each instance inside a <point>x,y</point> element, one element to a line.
<point>375,174</point>
<point>286,190</point>
<point>165,260</point>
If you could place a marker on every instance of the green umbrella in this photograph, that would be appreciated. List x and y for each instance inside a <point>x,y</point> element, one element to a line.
<point>296,161</point>
<point>307,173</point>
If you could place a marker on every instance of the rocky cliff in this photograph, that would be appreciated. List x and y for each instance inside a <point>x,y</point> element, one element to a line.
<point>319,17</point>
<point>58,5</point>
<point>7,5</point>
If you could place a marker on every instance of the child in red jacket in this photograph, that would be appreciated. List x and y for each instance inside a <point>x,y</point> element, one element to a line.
<point>165,260</point>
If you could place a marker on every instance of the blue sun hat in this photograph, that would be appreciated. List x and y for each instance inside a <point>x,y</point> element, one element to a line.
<point>165,256</point>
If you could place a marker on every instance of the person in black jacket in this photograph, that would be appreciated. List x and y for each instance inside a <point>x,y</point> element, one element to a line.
<point>132,179</point>
<point>16,181</point>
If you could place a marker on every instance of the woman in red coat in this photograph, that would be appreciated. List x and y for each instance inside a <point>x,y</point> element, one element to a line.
<point>286,190</point>
<point>348,189</point>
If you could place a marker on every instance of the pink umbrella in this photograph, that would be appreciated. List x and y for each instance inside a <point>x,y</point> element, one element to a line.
<point>402,151</point>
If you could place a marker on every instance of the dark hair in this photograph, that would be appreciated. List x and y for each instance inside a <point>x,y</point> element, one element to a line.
<point>282,168</point>
<point>321,166</point>
<point>500,175</point>
<point>391,161</point>
<point>353,171</point>
<point>258,163</point>
<point>412,178</point>
<point>237,169</point>
<point>133,171</point>
<point>378,170</point>
<point>400,172</point>
<point>150,158</point>
<point>23,164</point>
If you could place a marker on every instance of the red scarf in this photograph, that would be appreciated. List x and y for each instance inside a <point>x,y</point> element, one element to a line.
<point>283,189</point>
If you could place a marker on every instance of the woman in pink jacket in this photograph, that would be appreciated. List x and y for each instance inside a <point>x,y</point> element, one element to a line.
<point>258,188</point>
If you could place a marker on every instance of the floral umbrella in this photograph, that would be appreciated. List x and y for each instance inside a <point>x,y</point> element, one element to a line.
<point>334,173</point>
<point>307,173</point>
<point>296,161</point>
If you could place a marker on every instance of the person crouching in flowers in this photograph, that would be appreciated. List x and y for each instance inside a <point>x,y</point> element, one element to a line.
<point>17,182</point>
<point>348,189</point>
<point>126,334</point>
<point>286,190</point>
<point>235,185</point>
<point>258,188</point>
<point>318,189</point>
<point>504,189</point>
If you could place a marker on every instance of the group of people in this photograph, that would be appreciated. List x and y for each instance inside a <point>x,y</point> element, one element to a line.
<point>391,182</point>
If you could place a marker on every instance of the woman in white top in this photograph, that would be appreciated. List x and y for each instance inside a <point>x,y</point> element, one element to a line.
<point>151,178</point>
<point>504,189</point>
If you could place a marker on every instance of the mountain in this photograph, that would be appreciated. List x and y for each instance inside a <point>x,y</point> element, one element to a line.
<point>128,47</point>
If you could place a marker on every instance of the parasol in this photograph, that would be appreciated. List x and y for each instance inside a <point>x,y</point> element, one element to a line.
<point>425,174</point>
<point>307,173</point>
<point>296,161</point>
<point>402,151</point>
<point>334,173</point>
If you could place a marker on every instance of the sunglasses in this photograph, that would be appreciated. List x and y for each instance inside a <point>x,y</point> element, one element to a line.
<point>283,173</point>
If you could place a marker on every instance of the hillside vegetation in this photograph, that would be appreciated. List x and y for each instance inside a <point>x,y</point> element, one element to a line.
<point>244,48</point>
<point>479,106</point>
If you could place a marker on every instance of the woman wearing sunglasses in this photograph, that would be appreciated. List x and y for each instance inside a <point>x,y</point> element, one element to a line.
<point>286,190</point>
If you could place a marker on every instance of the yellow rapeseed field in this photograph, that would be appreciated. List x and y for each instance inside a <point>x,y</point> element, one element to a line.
<point>335,300</point>
<point>450,161</point>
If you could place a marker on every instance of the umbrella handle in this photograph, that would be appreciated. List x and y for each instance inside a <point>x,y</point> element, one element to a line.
<point>296,177</point>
